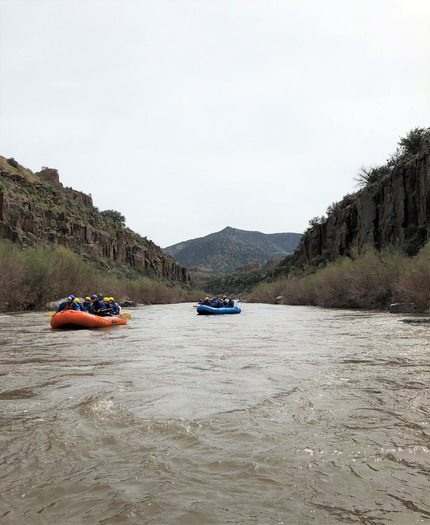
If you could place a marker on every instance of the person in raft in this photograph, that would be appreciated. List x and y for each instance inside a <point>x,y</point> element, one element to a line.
<point>68,304</point>
<point>217,302</point>
<point>97,305</point>
<point>108,309</point>
<point>86,304</point>
<point>115,306</point>
<point>78,302</point>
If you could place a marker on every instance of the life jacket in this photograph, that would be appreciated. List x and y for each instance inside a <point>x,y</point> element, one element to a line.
<point>69,306</point>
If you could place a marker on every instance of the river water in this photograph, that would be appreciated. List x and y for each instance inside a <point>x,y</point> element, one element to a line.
<point>279,415</point>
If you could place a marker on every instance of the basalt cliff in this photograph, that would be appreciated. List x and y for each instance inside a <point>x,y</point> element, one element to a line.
<point>393,211</point>
<point>36,209</point>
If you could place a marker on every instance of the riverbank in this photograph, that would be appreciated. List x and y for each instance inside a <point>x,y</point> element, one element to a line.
<point>371,281</point>
<point>32,277</point>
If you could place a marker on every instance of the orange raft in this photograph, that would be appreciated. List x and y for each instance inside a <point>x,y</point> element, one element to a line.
<point>77,319</point>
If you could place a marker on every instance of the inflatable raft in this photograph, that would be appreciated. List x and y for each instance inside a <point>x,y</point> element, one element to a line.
<point>208,310</point>
<point>76,319</point>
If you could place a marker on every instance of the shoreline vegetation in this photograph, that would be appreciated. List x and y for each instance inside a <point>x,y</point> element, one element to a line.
<point>32,277</point>
<point>371,281</point>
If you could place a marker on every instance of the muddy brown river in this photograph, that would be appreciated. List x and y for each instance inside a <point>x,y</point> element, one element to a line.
<point>279,415</point>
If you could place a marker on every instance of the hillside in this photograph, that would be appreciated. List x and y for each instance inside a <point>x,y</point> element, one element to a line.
<point>37,210</point>
<point>225,251</point>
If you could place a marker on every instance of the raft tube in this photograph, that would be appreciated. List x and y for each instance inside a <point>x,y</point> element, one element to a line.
<point>77,319</point>
<point>208,310</point>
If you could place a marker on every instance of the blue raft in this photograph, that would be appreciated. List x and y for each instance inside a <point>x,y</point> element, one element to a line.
<point>208,310</point>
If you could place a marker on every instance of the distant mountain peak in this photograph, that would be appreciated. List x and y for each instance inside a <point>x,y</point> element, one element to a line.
<point>225,251</point>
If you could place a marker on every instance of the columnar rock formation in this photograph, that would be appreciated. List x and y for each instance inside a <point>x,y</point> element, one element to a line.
<point>35,209</point>
<point>395,211</point>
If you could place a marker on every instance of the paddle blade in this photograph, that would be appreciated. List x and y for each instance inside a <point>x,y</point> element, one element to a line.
<point>51,314</point>
<point>126,315</point>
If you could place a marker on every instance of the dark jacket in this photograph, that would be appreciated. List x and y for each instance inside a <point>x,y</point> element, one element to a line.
<point>86,306</point>
<point>115,308</point>
<point>65,305</point>
<point>97,306</point>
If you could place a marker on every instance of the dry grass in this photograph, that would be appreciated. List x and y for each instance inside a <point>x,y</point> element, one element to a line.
<point>372,280</point>
<point>32,277</point>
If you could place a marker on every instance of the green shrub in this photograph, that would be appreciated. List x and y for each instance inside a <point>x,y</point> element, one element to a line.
<point>371,175</point>
<point>414,142</point>
<point>13,162</point>
<point>114,217</point>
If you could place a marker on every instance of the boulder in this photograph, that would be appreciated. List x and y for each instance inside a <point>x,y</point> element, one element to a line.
<point>402,308</point>
<point>127,304</point>
<point>52,305</point>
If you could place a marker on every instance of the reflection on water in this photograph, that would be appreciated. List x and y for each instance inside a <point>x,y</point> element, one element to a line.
<point>283,415</point>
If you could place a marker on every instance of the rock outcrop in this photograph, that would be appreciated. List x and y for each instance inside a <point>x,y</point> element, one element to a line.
<point>50,175</point>
<point>394,211</point>
<point>35,209</point>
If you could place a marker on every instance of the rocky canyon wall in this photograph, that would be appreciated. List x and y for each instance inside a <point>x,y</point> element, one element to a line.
<point>394,211</point>
<point>35,209</point>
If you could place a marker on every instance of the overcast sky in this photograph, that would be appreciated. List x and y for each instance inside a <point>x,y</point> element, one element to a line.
<point>188,116</point>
